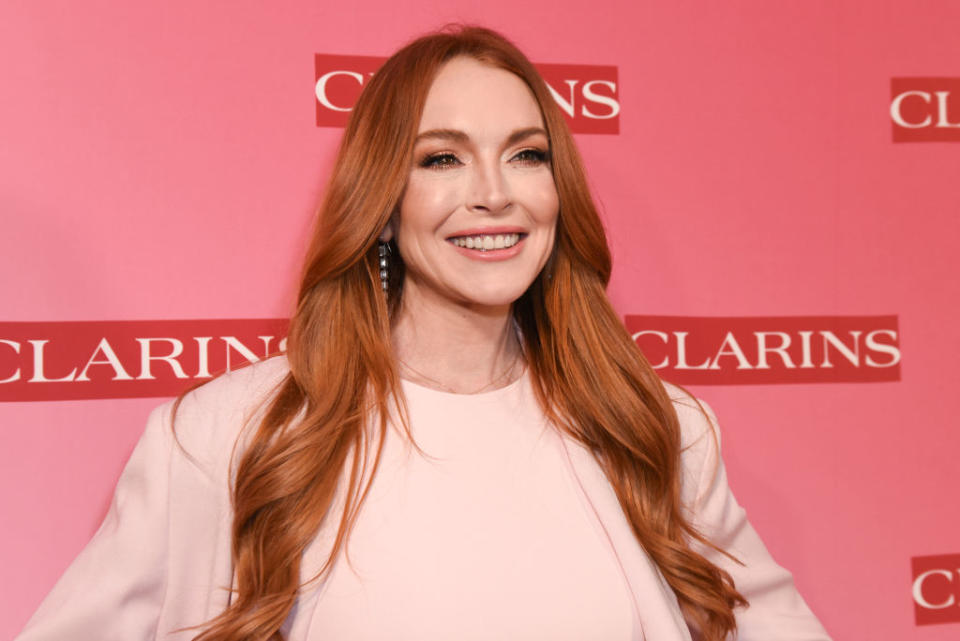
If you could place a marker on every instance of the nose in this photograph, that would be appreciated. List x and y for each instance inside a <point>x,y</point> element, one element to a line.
<point>489,190</point>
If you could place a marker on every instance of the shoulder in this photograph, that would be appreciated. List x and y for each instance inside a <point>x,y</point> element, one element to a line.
<point>208,420</point>
<point>699,441</point>
<point>236,391</point>
<point>697,420</point>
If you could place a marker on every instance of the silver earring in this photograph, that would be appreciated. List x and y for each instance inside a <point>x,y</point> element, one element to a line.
<point>384,251</point>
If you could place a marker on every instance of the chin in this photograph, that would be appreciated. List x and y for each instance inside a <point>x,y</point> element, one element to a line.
<point>496,296</point>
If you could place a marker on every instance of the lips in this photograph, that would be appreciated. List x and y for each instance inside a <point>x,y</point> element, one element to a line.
<point>488,238</point>
<point>487,242</point>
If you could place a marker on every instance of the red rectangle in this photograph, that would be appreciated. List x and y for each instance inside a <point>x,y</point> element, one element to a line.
<point>588,95</point>
<point>936,588</point>
<point>781,349</point>
<point>338,82</point>
<point>72,360</point>
<point>925,109</point>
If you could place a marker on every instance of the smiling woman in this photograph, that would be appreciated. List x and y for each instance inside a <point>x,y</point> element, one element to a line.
<point>458,401</point>
<point>476,223</point>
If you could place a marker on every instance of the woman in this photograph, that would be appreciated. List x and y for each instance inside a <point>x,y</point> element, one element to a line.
<point>462,440</point>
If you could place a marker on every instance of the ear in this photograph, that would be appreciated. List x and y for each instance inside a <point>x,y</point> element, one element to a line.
<point>387,234</point>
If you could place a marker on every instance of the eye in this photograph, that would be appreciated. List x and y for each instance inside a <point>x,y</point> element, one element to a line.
<point>531,157</point>
<point>443,160</point>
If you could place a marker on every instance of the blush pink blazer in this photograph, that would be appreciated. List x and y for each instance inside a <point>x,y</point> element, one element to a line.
<point>160,561</point>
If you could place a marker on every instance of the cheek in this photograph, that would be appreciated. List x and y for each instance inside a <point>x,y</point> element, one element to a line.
<point>545,203</point>
<point>549,213</point>
<point>427,202</point>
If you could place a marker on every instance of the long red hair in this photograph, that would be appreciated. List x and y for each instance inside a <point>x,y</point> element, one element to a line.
<point>589,376</point>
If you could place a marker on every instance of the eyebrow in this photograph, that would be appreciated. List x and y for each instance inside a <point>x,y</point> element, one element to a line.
<point>456,135</point>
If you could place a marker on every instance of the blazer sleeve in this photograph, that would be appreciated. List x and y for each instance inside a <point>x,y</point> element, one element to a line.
<point>160,565</point>
<point>114,589</point>
<point>776,612</point>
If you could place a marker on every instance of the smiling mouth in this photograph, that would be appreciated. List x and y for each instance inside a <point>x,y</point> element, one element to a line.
<point>487,242</point>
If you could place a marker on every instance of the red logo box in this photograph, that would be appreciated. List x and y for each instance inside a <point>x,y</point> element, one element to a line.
<point>696,350</point>
<point>925,109</point>
<point>936,588</point>
<point>72,360</point>
<point>588,95</point>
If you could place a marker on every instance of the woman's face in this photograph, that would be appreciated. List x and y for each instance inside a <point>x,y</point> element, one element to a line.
<point>477,220</point>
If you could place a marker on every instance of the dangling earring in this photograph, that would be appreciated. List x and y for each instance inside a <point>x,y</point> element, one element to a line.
<point>384,251</point>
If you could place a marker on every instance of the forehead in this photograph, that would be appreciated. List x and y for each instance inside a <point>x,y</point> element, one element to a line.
<point>475,97</point>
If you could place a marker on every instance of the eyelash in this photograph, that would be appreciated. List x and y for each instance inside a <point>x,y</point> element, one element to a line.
<point>533,156</point>
<point>530,157</point>
<point>443,160</point>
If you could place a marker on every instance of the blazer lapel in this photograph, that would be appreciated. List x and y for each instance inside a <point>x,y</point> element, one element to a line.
<point>657,610</point>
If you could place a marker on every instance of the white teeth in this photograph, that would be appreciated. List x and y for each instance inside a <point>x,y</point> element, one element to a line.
<point>487,242</point>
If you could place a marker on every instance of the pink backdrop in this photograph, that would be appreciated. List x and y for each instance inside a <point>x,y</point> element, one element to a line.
<point>162,162</point>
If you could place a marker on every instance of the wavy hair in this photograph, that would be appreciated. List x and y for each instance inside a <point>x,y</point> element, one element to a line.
<point>589,376</point>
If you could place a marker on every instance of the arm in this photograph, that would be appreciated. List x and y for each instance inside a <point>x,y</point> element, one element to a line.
<point>160,564</point>
<point>114,589</point>
<point>777,612</point>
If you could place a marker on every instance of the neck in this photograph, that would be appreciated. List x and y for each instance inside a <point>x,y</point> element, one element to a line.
<point>456,347</point>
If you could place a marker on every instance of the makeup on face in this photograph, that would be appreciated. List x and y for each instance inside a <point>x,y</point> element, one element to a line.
<point>478,217</point>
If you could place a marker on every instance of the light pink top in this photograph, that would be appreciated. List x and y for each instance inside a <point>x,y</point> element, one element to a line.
<point>491,538</point>
<point>506,531</point>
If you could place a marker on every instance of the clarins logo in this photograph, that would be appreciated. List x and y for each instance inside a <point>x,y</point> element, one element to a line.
<point>588,95</point>
<point>936,588</point>
<point>124,359</point>
<point>925,109</point>
<point>783,349</point>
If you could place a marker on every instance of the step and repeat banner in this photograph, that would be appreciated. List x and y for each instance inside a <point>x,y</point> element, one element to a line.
<point>779,182</point>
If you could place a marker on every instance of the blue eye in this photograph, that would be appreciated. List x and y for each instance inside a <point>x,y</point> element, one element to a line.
<point>443,160</point>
